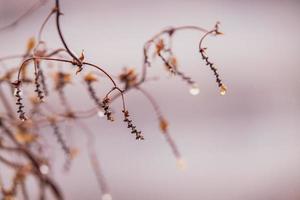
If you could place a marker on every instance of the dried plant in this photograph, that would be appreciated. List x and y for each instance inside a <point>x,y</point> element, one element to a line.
<point>138,134</point>
<point>202,50</point>
<point>21,134</point>
<point>37,79</point>
<point>19,103</point>
<point>107,112</point>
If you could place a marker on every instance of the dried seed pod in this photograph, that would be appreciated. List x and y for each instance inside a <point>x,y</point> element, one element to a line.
<point>38,87</point>
<point>107,112</point>
<point>90,77</point>
<point>42,79</point>
<point>138,134</point>
<point>66,149</point>
<point>61,79</point>
<point>128,77</point>
<point>204,56</point>
<point>19,103</point>
<point>212,67</point>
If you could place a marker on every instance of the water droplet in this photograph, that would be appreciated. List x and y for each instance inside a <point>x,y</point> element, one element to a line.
<point>223,89</point>
<point>194,90</point>
<point>44,169</point>
<point>106,196</point>
<point>181,164</point>
<point>15,91</point>
<point>100,113</point>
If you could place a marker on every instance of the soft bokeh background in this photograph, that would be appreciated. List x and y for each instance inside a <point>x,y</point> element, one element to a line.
<point>243,146</point>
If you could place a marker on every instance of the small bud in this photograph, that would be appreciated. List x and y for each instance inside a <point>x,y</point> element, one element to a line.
<point>223,89</point>
<point>160,45</point>
<point>79,69</point>
<point>163,124</point>
<point>30,44</point>
<point>194,90</point>
<point>81,57</point>
<point>217,32</point>
<point>90,77</point>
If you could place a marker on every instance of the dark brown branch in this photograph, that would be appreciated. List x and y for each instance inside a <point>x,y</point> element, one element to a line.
<point>58,14</point>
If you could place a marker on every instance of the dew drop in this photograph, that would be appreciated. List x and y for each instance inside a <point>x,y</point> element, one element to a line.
<point>194,90</point>
<point>15,92</point>
<point>106,196</point>
<point>44,169</point>
<point>223,89</point>
<point>100,113</point>
<point>181,164</point>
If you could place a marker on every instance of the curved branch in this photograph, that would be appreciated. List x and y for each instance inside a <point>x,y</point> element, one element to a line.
<point>58,13</point>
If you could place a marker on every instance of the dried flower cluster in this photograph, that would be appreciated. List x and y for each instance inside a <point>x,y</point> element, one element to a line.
<point>20,132</point>
<point>107,112</point>
<point>17,93</point>
<point>138,134</point>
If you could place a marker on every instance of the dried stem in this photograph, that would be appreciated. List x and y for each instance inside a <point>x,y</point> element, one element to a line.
<point>162,121</point>
<point>61,141</point>
<point>93,94</point>
<point>58,14</point>
<point>37,79</point>
<point>202,51</point>
<point>94,158</point>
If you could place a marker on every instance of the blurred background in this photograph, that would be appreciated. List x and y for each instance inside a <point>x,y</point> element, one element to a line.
<point>242,146</point>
